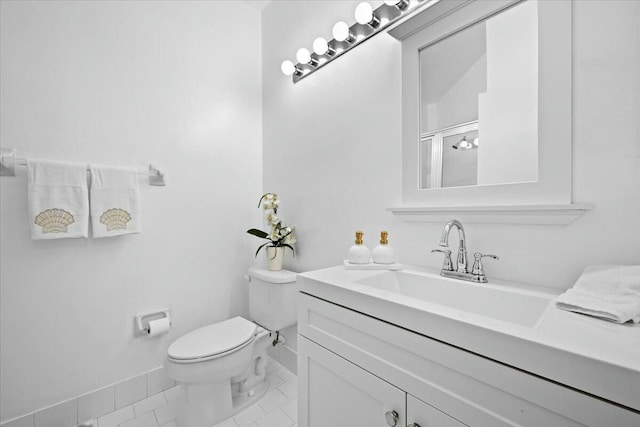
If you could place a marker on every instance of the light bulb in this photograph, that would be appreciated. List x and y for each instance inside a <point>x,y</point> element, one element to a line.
<point>464,143</point>
<point>341,32</point>
<point>287,67</point>
<point>476,142</point>
<point>400,4</point>
<point>303,56</point>
<point>320,46</point>
<point>364,13</point>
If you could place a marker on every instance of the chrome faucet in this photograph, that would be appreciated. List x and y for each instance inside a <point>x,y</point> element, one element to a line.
<point>462,249</point>
<point>461,271</point>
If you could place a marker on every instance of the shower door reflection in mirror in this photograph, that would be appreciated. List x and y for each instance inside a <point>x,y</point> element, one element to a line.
<point>449,157</point>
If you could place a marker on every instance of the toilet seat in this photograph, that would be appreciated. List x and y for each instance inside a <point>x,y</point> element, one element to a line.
<point>213,341</point>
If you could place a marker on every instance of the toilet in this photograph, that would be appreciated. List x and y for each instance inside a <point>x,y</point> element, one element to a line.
<point>221,367</point>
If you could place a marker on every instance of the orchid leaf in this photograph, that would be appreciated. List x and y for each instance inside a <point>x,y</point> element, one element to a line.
<point>258,233</point>
<point>261,246</point>
<point>286,245</point>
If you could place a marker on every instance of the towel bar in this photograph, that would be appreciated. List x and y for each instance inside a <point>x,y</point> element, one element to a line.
<point>8,162</point>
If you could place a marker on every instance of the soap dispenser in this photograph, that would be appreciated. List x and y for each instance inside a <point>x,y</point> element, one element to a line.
<point>383,253</point>
<point>359,253</point>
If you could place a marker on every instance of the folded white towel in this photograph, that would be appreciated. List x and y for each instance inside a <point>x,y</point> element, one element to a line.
<point>58,200</point>
<point>115,201</point>
<point>611,292</point>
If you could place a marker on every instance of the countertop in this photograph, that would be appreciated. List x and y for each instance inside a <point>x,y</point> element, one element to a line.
<point>594,356</point>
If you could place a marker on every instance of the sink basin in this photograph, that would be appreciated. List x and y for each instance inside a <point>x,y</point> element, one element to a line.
<point>515,305</point>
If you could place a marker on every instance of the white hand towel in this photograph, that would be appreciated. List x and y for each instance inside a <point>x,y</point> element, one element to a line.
<point>611,292</point>
<point>115,201</point>
<point>58,200</point>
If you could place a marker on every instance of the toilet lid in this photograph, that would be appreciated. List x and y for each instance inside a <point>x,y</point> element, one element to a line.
<point>213,339</point>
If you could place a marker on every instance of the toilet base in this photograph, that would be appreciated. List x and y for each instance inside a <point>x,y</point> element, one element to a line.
<point>208,396</point>
<point>195,407</point>
<point>242,401</point>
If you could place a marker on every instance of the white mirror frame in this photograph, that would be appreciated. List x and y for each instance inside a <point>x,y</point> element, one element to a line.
<point>553,187</point>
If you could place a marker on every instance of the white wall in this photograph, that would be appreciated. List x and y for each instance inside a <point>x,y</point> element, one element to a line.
<point>126,83</point>
<point>340,133</point>
<point>332,141</point>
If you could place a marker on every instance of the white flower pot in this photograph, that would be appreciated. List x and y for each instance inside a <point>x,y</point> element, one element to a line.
<point>275,258</point>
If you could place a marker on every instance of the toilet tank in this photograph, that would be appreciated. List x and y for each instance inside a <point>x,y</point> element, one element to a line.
<point>272,298</point>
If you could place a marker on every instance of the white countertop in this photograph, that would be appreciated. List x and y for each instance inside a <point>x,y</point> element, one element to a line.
<point>591,355</point>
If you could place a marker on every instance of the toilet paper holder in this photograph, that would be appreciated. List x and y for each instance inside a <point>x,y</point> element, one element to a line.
<point>142,320</point>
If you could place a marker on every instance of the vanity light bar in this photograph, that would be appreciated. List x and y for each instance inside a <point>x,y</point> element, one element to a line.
<point>369,23</point>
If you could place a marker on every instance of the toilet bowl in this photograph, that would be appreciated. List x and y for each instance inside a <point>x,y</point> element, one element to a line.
<point>221,367</point>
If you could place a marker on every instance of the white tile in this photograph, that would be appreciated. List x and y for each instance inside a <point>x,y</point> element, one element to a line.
<point>131,391</point>
<point>96,404</point>
<point>117,417</point>
<point>249,415</point>
<point>170,424</point>
<point>147,420</point>
<point>26,421</point>
<point>253,425</point>
<point>286,374</point>
<point>227,423</point>
<point>275,380</point>
<point>289,389</point>
<point>272,400</point>
<point>172,394</point>
<point>149,404</point>
<point>158,381</point>
<point>166,413</point>
<point>291,409</point>
<point>276,418</point>
<point>63,415</point>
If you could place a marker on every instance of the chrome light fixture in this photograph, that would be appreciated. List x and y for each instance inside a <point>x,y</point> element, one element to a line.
<point>289,68</point>
<point>465,145</point>
<point>322,47</point>
<point>365,16</point>
<point>369,22</point>
<point>304,57</point>
<point>400,4</point>
<point>342,32</point>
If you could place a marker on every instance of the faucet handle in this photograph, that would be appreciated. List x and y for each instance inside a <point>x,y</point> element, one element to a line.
<point>447,265</point>
<point>478,268</point>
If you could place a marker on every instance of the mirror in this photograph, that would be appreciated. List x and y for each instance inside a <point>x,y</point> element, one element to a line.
<point>449,157</point>
<point>487,103</point>
<point>486,74</point>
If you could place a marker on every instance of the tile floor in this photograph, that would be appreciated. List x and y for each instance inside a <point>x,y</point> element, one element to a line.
<point>278,408</point>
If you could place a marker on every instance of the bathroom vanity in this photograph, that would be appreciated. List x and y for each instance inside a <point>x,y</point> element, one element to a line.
<point>411,348</point>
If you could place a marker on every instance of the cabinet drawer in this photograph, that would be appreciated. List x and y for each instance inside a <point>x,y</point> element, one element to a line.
<point>472,389</point>
<point>425,415</point>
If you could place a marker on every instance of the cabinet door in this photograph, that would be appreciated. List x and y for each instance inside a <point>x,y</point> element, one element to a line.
<point>424,415</point>
<point>335,392</point>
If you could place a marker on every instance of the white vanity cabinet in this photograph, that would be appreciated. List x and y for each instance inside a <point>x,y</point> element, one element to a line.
<point>424,415</point>
<point>354,368</point>
<point>339,393</point>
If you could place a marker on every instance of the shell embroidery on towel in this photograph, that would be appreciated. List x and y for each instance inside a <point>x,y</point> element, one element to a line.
<point>115,219</point>
<point>54,220</point>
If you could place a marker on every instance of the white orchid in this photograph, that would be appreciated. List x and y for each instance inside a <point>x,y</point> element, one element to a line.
<point>278,235</point>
